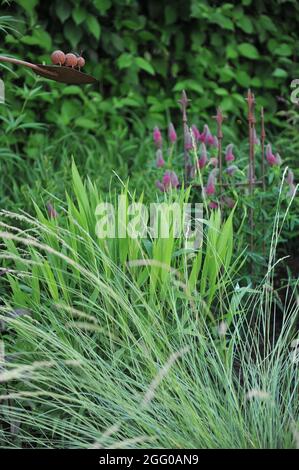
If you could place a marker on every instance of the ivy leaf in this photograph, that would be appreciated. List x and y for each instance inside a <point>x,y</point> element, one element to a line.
<point>248,50</point>
<point>93,26</point>
<point>144,65</point>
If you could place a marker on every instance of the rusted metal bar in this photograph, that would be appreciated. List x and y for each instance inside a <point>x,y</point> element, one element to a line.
<point>58,73</point>
<point>34,67</point>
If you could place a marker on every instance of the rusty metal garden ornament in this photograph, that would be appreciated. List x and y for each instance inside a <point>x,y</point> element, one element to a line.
<point>59,73</point>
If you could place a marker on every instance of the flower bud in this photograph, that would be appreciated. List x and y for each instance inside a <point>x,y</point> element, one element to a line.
<point>172,133</point>
<point>157,137</point>
<point>159,159</point>
<point>229,156</point>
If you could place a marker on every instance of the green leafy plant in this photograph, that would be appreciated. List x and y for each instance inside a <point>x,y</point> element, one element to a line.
<point>92,362</point>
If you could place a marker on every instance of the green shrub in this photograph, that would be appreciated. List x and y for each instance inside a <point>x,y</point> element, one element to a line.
<point>143,52</point>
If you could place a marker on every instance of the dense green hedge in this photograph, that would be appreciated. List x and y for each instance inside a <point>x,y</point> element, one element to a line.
<point>144,53</point>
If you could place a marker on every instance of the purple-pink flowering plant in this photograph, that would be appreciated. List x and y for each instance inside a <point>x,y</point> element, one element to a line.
<point>169,181</point>
<point>229,156</point>
<point>203,157</point>
<point>196,133</point>
<point>272,159</point>
<point>157,136</point>
<point>51,211</point>
<point>172,133</point>
<point>159,159</point>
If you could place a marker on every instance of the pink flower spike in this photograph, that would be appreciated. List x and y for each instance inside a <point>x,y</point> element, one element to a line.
<point>271,159</point>
<point>188,141</point>
<point>229,156</point>
<point>210,188</point>
<point>174,179</point>
<point>213,205</point>
<point>230,170</point>
<point>159,159</point>
<point>214,173</point>
<point>169,180</point>
<point>160,186</point>
<point>278,159</point>
<point>215,142</point>
<point>51,211</point>
<point>210,139</point>
<point>196,133</point>
<point>172,133</point>
<point>256,140</point>
<point>193,170</point>
<point>290,177</point>
<point>157,137</point>
<point>229,202</point>
<point>204,157</point>
<point>166,180</point>
<point>214,162</point>
<point>206,136</point>
<point>292,190</point>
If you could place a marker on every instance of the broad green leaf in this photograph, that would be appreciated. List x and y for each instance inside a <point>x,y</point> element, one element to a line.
<point>93,26</point>
<point>28,5</point>
<point>63,10</point>
<point>189,85</point>
<point>280,73</point>
<point>125,60</point>
<point>102,5</point>
<point>248,50</point>
<point>171,14</point>
<point>245,24</point>
<point>79,14</point>
<point>231,51</point>
<point>144,65</point>
<point>267,23</point>
<point>243,78</point>
<point>284,50</point>
<point>86,123</point>
<point>223,21</point>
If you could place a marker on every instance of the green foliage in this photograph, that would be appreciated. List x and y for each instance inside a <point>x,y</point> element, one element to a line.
<point>101,338</point>
<point>94,361</point>
<point>155,265</point>
<point>214,50</point>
